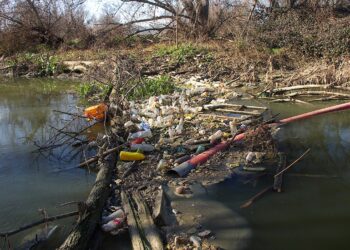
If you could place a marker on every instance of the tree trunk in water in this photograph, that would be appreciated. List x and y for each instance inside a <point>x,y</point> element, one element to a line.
<point>90,215</point>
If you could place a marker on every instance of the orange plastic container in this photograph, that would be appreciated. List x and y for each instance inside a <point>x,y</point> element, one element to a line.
<point>97,112</point>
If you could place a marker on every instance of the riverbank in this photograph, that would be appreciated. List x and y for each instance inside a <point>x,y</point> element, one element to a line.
<point>216,60</point>
<point>199,80</point>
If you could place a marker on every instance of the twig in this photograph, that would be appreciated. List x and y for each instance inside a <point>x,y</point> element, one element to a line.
<point>255,197</point>
<point>95,158</point>
<point>292,164</point>
<point>71,114</point>
<point>42,221</point>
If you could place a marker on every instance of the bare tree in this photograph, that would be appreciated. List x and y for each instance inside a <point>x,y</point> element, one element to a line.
<point>47,22</point>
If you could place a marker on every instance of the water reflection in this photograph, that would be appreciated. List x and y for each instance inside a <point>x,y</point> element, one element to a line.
<point>27,181</point>
<point>311,213</point>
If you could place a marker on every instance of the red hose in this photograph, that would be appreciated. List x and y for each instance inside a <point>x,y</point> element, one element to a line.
<point>203,157</point>
<point>339,107</point>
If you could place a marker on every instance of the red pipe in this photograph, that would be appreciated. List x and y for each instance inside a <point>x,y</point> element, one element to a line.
<point>339,107</point>
<point>203,157</point>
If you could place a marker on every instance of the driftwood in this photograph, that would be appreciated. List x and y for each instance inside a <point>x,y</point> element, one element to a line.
<point>249,202</point>
<point>225,105</point>
<point>290,100</point>
<point>71,114</point>
<point>147,223</point>
<point>318,93</point>
<point>238,112</point>
<point>143,232</point>
<point>214,116</point>
<point>298,87</point>
<point>136,240</point>
<point>96,158</point>
<point>309,86</point>
<point>130,168</point>
<point>91,210</point>
<point>39,222</point>
<point>161,211</point>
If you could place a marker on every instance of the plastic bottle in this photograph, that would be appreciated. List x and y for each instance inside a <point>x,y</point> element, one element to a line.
<point>117,214</point>
<point>216,136</point>
<point>143,147</point>
<point>161,165</point>
<point>233,127</point>
<point>179,128</point>
<point>171,132</point>
<point>113,224</point>
<point>131,156</point>
<point>128,124</point>
<point>141,134</point>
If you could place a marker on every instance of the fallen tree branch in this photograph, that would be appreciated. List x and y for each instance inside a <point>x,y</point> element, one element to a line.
<point>90,211</point>
<point>39,222</point>
<point>318,93</point>
<point>95,158</point>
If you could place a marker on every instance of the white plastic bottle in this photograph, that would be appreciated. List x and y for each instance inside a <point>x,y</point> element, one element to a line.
<point>143,147</point>
<point>216,136</point>
<point>117,214</point>
<point>113,224</point>
<point>141,134</point>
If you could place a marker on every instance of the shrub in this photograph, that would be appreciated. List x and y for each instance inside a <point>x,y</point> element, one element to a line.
<point>88,89</point>
<point>153,87</point>
<point>180,53</point>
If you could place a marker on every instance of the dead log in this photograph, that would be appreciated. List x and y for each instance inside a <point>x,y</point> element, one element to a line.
<point>136,240</point>
<point>147,223</point>
<point>162,211</point>
<point>90,212</point>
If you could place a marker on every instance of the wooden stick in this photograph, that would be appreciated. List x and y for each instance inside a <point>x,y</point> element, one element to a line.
<point>238,112</point>
<point>318,93</point>
<point>95,158</point>
<point>292,164</point>
<point>255,197</point>
<point>67,113</point>
<point>222,105</point>
<point>277,184</point>
<point>42,221</point>
<point>220,116</point>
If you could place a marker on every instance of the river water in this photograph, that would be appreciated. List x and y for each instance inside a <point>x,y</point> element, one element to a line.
<point>29,181</point>
<point>311,213</point>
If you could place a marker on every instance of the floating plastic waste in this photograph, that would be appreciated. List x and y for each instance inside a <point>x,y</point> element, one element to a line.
<point>131,156</point>
<point>97,112</point>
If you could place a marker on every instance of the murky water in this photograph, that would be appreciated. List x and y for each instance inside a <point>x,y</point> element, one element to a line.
<point>28,181</point>
<point>313,210</point>
<point>311,213</point>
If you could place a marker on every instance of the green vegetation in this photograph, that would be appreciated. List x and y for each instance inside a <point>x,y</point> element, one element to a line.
<point>152,87</point>
<point>88,89</point>
<point>179,53</point>
<point>44,64</point>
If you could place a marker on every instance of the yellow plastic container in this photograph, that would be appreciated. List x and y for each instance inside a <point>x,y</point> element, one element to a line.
<point>97,112</point>
<point>131,156</point>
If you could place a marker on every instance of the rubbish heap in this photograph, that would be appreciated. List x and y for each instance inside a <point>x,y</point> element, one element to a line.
<point>167,130</point>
